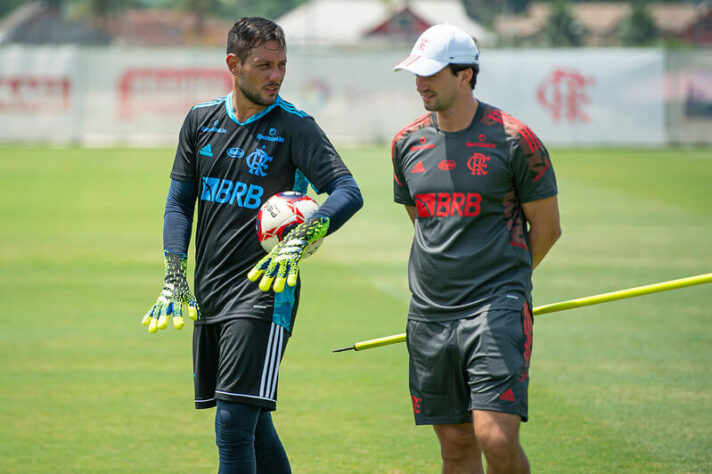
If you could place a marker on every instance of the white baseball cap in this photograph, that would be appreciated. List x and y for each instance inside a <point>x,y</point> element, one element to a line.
<point>437,47</point>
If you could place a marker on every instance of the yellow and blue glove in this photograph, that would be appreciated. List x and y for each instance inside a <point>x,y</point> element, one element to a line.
<point>282,263</point>
<point>174,295</point>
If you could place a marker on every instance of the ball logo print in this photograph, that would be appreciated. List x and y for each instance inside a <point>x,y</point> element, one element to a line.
<point>280,214</point>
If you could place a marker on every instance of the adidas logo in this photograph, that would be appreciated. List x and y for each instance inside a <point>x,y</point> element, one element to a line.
<point>508,396</point>
<point>418,168</point>
<point>206,150</point>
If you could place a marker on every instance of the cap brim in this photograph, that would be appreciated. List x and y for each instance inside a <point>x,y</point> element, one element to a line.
<point>420,65</point>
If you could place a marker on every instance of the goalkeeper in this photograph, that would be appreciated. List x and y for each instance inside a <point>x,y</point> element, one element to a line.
<point>233,154</point>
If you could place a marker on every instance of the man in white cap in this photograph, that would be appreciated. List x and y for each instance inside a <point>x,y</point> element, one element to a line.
<point>481,192</point>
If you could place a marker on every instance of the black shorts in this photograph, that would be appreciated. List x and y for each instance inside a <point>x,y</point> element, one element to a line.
<point>477,363</point>
<point>237,360</point>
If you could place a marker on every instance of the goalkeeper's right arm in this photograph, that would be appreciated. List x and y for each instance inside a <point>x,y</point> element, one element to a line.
<point>177,224</point>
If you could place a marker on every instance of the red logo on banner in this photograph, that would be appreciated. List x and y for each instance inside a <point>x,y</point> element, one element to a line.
<point>158,91</point>
<point>563,94</point>
<point>35,94</point>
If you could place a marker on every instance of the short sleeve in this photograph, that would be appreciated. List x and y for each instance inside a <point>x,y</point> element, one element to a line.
<point>401,193</point>
<point>184,161</point>
<point>533,173</point>
<point>314,155</point>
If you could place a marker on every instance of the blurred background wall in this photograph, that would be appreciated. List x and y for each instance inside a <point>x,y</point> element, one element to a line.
<point>579,73</point>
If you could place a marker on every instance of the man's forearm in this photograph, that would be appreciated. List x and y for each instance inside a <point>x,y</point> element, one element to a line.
<point>343,202</point>
<point>541,240</point>
<point>178,217</point>
<point>544,228</point>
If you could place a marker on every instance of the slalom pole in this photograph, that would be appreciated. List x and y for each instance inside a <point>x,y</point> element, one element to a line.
<point>563,305</point>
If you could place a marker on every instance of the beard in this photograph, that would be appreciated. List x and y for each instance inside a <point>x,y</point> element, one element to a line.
<point>441,101</point>
<point>253,94</point>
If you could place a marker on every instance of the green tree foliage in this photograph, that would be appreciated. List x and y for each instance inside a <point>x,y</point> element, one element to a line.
<point>563,30</point>
<point>98,9</point>
<point>203,8</point>
<point>269,9</point>
<point>7,6</point>
<point>485,11</point>
<point>639,28</point>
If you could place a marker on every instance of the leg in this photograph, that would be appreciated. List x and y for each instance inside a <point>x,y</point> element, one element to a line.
<point>498,435</point>
<point>270,454</point>
<point>459,449</point>
<point>235,436</point>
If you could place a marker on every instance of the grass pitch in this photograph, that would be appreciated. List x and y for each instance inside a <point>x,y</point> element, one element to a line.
<point>620,387</point>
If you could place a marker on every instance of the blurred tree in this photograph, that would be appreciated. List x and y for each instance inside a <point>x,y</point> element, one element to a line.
<point>639,28</point>
<point>7,6</point>
<point>563,29</point>
<point>266,8</point>
<point>98,11</point>
<point>200,9</point>
<point>481,10</point>
<point>233,9</point>
<point>485,11</point>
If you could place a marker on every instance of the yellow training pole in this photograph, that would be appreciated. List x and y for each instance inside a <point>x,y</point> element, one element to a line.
<point>570,304</point>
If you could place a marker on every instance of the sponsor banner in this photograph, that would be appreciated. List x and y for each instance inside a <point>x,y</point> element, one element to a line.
<point>141,96</point>
<point>162,91</point>
<point>688,97</point>
<point>31,94</point>
<point>39,100</point>
<point>580,97</point>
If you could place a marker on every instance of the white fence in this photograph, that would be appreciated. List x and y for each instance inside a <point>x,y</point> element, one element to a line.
<point>569,97</point>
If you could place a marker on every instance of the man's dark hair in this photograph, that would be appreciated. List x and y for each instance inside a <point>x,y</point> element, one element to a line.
<point>455,68</point>
<point>249,33</point>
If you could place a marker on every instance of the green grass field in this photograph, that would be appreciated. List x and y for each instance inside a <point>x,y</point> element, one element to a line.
<point>620,387</point>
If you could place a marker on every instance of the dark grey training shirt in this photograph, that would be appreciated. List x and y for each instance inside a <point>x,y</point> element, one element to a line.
<point>470,250</point>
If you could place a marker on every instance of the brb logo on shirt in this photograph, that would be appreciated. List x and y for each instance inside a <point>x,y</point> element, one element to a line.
<point>224,191</point>
<point>448,204</point>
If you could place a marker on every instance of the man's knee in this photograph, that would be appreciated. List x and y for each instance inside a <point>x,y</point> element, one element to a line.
<point>457,441</point>
<point>497,433</point>
<point>233,430</point>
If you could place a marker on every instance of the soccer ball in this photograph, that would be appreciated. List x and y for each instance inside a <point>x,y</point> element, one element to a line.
<point>280,214</point>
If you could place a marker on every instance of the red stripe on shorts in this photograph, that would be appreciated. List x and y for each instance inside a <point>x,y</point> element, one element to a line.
<point>528,334</point>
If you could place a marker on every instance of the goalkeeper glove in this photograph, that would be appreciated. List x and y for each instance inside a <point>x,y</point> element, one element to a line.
<point>174,295</point>
<point>283,261</point>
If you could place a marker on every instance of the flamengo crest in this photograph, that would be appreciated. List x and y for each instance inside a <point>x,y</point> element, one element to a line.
<point>477,164</point>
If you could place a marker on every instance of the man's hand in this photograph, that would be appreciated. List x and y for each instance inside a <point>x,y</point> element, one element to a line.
<point>174,295</point>
<point>283,261</point>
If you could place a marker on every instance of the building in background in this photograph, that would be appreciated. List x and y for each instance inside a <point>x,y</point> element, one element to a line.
<point>39,23</point>
<point>364,23</point>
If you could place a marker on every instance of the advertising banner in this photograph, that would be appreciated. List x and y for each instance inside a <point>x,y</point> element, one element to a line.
<point>139,96</point>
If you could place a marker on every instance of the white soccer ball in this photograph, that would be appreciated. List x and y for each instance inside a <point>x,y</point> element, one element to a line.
<point>280,214</point>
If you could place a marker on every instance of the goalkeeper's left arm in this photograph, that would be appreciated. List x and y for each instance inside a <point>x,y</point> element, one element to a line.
<point>177,223</point>
<point>282,263</point>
